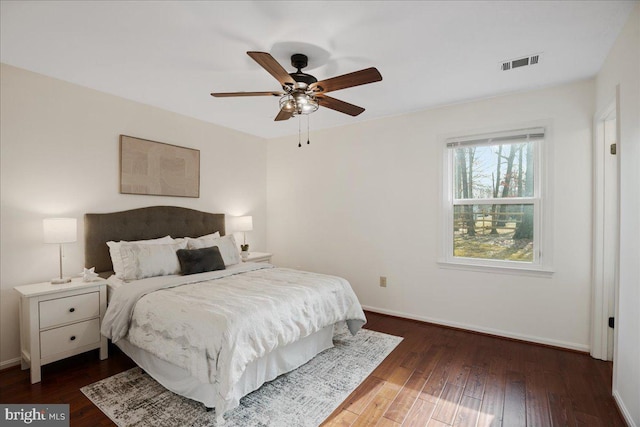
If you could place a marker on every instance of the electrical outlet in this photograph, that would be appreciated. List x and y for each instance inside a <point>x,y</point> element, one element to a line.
<point>383,281</point>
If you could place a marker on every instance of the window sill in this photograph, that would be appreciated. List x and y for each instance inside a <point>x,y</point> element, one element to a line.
<point>501,269</point>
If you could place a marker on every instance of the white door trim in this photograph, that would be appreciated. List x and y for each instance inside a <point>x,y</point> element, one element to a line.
<point>604,275</point>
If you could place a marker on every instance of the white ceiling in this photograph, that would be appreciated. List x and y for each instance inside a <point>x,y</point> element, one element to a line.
<point>432,53</point>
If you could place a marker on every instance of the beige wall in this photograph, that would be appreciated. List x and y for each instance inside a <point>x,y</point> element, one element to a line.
<point>59,154</point>
<point>363,201</point>
<point>622,69</point>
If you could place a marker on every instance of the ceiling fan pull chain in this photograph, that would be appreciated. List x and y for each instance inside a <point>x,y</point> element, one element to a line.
<point>308,142</point>
<point>299,144</point>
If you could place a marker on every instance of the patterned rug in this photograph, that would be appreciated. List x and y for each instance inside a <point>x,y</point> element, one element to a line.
<point>304,397</point>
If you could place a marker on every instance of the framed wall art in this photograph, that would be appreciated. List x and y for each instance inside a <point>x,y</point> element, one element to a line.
<point>158,169</point>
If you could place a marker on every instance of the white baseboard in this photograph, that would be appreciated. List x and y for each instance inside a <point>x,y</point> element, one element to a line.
<point>9,363</point>
<point>623,409</point>
<point>497,332</point>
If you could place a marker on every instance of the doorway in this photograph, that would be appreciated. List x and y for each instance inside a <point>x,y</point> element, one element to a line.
<point>605,232</point>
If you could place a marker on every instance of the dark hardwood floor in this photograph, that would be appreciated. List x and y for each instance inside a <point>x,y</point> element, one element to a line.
<point>436,377</point>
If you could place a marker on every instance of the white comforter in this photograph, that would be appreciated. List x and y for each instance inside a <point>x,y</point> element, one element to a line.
<point>219,322</point>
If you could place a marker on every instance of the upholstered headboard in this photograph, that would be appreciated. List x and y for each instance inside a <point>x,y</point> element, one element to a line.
<point>142,224</point>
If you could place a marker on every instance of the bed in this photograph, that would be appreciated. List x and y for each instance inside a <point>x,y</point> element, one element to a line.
<point>217,335</point>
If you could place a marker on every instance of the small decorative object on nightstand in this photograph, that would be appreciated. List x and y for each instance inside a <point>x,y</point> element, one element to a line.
<point>60,230</point>
<point>258,257</point>
<point>89,274</point>
<point>59,321</point>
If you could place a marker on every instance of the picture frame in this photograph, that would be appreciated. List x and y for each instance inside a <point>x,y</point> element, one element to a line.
<point>158,169</point>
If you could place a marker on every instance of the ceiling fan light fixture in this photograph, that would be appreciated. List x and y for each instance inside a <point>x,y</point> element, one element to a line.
<point>299,103</point>
<point>287,103</point>
<point>301,98</point>
<point>310,106</point>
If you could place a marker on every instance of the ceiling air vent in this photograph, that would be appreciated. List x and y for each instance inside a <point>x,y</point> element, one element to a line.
<point>520,62</point>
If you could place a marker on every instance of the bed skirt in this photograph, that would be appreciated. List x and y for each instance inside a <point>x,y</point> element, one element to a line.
<point>267,368</point>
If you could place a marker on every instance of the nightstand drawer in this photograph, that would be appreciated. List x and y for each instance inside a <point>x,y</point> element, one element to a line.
<point>70,337</point>
<point>70,309</point>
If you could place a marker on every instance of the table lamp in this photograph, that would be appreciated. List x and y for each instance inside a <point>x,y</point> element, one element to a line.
<point>244,224</point>
<point>60,230</point>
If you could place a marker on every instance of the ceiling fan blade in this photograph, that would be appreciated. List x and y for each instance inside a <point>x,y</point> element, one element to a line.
<point>283,115</point>
<point>272,66</point>
<point>341,106</point>
<point>229,94</point>
<point>357,78</point>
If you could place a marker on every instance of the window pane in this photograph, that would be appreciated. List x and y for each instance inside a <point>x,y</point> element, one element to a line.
<point>500,232</point>
<point>493,171</point>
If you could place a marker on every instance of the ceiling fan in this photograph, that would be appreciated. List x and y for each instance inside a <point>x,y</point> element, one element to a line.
<point>301,92</point>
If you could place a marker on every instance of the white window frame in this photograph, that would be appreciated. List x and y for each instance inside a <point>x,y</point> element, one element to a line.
<point>542,238</point>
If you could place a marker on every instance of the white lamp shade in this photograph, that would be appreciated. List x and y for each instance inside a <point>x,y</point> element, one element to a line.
<point>243,223</point>
<point>60,230</point>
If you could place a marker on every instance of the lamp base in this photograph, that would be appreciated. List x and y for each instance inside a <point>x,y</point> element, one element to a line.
<point>60,281</point>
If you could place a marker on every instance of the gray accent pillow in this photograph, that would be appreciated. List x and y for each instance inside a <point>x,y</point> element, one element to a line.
<point>200,260</point>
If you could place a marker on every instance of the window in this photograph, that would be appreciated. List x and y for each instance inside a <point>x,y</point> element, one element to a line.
<point>493,201</point>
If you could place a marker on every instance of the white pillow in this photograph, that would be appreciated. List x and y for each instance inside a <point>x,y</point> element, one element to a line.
<point>142,261</point>
<point>116,257</point>
<point>203,239</point>
<point>215,235</point>
<point>226,244</point>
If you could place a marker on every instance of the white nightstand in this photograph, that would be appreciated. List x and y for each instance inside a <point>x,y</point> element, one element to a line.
<point>59,321</point>
<point>258,257</point>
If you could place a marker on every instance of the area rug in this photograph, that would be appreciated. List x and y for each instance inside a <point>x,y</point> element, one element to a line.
<point>304,397</point>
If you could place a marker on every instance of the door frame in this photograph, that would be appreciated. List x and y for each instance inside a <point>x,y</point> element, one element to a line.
<point>603,297</point>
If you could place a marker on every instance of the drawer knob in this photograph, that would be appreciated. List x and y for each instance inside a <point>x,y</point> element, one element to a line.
<point>71,310</point>
<point>73,337</point>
